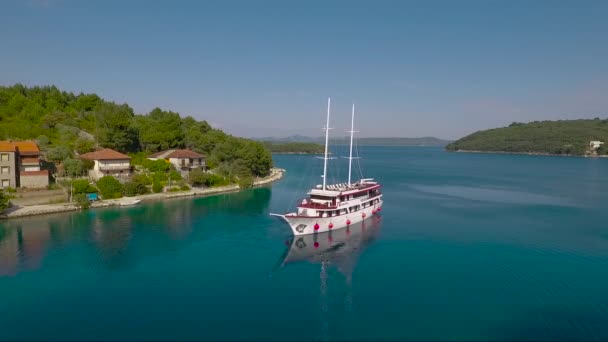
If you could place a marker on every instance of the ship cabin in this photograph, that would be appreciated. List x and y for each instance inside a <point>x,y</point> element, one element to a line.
<point>339,199</point>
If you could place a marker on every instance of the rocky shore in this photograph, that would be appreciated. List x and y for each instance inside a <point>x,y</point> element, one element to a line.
<point>275,174</point>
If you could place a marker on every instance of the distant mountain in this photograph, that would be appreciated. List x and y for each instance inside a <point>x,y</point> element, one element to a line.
<point>391,141</point>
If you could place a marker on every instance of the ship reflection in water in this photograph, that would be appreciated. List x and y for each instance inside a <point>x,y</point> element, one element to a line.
<point>340,248</point>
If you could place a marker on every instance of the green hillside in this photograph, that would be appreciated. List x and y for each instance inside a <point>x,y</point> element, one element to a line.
<point>65,124</point>
<point>553,137</point>
<point>294,147</point>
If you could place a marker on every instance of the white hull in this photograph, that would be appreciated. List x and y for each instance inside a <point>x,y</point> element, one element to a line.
<point>306,225</point>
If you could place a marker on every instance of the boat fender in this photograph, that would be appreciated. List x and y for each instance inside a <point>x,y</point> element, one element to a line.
<point>316,226</point>
<point>347,221</point>
<point>363,215</point>
<point>331,225</point>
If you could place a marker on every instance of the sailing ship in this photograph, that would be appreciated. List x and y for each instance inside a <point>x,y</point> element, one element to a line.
<point>335,206</point>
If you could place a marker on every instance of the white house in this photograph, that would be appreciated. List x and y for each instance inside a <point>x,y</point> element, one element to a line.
<point>595,144</point>
<point>108,163</point>
<point>184,160</point>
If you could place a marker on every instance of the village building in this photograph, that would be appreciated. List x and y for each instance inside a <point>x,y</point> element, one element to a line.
<point>183,160</point>
<point>108,163</point>
<point>20,165</point>
<point>595,144</point>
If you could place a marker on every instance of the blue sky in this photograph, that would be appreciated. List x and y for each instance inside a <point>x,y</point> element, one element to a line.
<point>266,68</point>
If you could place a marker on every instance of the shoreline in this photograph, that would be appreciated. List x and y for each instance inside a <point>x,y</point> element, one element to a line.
<point>42,209</point>
<point>529,153</point>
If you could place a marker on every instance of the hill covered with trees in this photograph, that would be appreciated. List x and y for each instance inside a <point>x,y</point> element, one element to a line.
<point>369,141</point>
<point>64,124</point>
<point>294,147</point>
<point>568,137</point>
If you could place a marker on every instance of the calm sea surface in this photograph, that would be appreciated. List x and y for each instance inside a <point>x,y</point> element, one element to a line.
<point>468,246</point>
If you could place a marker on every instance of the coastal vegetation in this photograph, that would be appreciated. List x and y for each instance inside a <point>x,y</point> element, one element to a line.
<point>565,137</point>
<point>65,124</point>
<point>294,147</point>
<point>4,200</point>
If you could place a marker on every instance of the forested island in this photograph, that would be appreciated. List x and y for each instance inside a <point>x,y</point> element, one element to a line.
<point>369,141</point>
<point>65,124</point>
<point>562,137</point>
<point>294,147</point>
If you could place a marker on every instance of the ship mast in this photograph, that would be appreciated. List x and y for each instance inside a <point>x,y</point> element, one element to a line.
<point>352,131</point>
<point>326,142</point>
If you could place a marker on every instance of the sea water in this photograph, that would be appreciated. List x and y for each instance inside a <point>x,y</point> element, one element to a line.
<point>467,246</point>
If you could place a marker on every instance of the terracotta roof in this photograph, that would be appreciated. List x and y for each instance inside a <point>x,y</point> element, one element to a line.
<point>6,147</point>
<point>104,154</point>
<point>30,160</point>
<point>176,154</point>
<point>34,173</point>
<point>24,147</point>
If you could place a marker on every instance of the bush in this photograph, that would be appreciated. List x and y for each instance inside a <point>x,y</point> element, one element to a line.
<point>58,154</point>
<point>134,188</point>
<point>11,190</point>
<point>245,182</point>
<point>73,167</point>
<point>157,187</point>
<point>159,177</point>
<point>84,145</point>
<point>82,201</point>
<point>82,186</point>
<point>109,187</point>
<point>156,165</point>
<point>185,187</point>
<point>142,178</point>
<point>5,200</point>
<point>197,178</point>
<point>175,176</point>
<point>87,164</point>
<point>217,180</point>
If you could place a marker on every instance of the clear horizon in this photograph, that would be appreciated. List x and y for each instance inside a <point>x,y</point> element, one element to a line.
<point>265,69</point>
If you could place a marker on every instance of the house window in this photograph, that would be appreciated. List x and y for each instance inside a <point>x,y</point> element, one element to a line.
<point>183,162</point>
<point>4,157</point>
<point>5,170</point>
<point>6,183</point>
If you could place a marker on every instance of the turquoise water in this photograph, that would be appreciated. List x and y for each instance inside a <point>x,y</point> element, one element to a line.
<point>468,246</point>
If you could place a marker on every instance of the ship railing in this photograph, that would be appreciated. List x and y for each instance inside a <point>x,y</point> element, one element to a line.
<point>307,203</point>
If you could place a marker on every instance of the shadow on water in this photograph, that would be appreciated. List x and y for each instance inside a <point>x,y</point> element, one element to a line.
<point>116,238</point>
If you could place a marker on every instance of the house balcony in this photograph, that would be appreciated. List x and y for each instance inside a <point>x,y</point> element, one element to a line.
<point>114,167</point>
<point>192,166</point>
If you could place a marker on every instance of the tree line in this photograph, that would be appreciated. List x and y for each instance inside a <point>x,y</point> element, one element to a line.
<point>65,124</point>
<point>294,147</point>
<point>568,137</point>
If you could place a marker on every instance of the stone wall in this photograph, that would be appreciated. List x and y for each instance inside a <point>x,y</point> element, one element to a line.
<point>34,181</point>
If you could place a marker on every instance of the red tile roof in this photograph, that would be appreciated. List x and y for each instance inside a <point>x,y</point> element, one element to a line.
<point>104,154</point>
<point>6,147</point>
<point>24,147</point>
<point>176,154</point>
